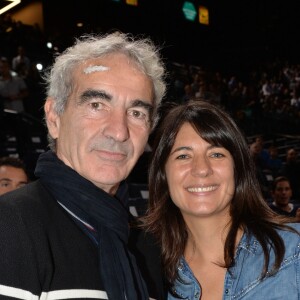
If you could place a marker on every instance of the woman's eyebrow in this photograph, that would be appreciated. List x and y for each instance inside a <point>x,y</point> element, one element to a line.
<point>181,148</point>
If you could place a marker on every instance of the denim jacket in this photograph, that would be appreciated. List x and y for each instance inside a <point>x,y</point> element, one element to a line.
<point>242,281</point>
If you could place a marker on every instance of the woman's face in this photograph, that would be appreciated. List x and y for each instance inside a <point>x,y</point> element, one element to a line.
<point>200,176</point>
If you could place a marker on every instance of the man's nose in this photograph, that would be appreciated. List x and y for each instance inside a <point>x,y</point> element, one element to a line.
<point>117,126</point>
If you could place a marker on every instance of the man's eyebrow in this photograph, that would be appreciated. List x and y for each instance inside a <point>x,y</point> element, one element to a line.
<point>92,94</point>
<point>5,179</point>
<point>22,182</point>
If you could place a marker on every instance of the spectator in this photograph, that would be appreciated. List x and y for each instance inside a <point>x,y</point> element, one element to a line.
<point>274,163</point>
<point>291,170</point>
<point>295,101</point>
<point>13,89</point>
<point>260,167</point>
<point>21,63</point>
<point>13,174</point>
<point>188,93</point>
<point>264,153</point>
<point>281,195</point>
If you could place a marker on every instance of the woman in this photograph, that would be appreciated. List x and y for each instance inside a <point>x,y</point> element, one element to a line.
<point>219,238</point>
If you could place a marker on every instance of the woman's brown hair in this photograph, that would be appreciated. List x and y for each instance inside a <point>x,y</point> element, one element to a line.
<point>248,209</point>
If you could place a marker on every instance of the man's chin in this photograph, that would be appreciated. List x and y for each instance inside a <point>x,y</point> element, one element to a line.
<point>108,183</point>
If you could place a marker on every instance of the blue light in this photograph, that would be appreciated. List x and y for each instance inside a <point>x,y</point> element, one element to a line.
<point>189,11</point>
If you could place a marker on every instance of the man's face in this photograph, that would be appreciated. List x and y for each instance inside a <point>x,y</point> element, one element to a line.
<point>282,193</point>
<point>11,178</point>
<point>292,155</point>
<point>106,122</point>
<point>4,68</point>
<point>255,148</point>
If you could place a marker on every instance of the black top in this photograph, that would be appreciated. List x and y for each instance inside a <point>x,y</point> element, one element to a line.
<point>44,251</point>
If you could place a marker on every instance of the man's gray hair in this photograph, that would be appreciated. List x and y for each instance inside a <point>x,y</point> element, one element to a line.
<point>59,80</point>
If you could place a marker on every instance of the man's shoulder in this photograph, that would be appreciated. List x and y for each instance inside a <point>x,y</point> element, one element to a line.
<point>276,209</point>
<point>26,200</point>
<point>147,253</point>
<point>22,216</point>
<point>30,190</point>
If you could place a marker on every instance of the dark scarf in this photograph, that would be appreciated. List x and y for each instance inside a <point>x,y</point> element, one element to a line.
<point>118,269</point>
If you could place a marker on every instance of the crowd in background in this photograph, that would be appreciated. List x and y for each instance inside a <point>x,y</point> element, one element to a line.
<point>23,47</point>
<point>261,100</point>
<point>265,101</point>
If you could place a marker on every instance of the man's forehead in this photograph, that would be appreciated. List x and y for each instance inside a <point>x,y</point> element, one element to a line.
<point>283,183</point>
<point>92,75</point>
<point>106,63</point>
<point>10,169</point>
<point>95,68</point>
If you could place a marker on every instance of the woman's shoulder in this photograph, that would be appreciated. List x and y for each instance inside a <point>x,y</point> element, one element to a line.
<point>291,238</point>
<point>296,226</point>
<point>293,230</point>
<point>289,233</point>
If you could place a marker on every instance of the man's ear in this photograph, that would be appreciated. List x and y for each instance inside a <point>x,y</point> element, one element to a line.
<point>52,118</point>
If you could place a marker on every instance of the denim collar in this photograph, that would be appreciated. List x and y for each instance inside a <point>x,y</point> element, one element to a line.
<point>248,243</point>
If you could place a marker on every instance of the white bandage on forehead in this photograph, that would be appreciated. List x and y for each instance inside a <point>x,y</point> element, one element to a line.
<point>92,69</point>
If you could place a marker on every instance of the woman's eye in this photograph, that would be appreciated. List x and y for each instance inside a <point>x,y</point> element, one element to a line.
<point>217,155</point>
<point>182,156</point>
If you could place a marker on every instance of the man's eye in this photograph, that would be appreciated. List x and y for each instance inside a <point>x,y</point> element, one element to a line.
<point>138,114</point>
<point>21,185</point>
<point>96,105</point>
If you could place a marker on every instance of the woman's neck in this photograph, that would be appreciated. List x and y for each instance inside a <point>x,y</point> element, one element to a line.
<point>206,240</point>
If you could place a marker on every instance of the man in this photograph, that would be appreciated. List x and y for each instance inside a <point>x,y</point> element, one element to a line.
<point>21,63</point>
<point>13,89</point>
<point>282,194</point>
<point>255,151</point>
<point>274,161</point>
<point>66,234</point>
<point>12,174</point>
<point>291,170</point>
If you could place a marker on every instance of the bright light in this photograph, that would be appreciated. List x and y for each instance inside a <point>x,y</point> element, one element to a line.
<point>79,24</point>
<point>203,15</point>
<point>132,2</point>
<point>49,45</point>
<point>9,6</point>
<point>39,66</point>
<point>189,11</point>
